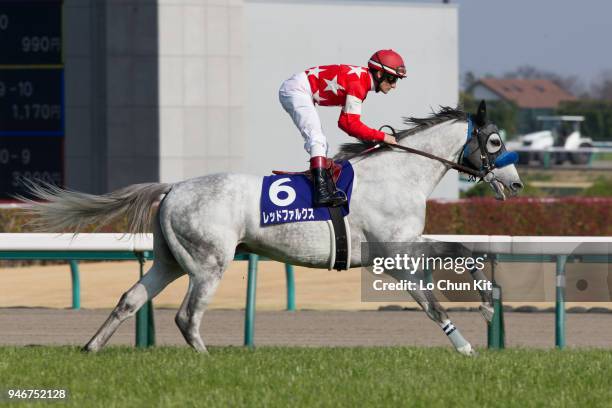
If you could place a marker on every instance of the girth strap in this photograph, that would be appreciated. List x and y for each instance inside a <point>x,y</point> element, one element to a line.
<point>341,238</point>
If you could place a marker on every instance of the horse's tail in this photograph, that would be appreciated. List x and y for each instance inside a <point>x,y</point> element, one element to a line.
<point>61,210</point>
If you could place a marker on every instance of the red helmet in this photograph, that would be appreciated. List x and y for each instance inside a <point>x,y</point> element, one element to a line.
<point>388,61</point>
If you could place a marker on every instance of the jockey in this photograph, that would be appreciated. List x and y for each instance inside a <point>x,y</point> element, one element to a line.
<point>337,85</point>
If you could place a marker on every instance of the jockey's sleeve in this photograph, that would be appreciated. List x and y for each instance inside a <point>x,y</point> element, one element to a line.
<point>350,121</point>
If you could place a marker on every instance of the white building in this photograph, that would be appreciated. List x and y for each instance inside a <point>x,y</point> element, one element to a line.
<point>181,88</point>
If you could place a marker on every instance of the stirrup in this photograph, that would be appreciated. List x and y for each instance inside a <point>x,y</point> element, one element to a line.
<point>339,198</point>
<point>335,199</point>
<point>330,199</point>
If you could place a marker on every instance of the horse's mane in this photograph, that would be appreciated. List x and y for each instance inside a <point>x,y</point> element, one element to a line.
<point>445,113</point>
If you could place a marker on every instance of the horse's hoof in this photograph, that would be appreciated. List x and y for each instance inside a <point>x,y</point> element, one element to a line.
<point>467,350</point>
<point>487,312</point>
<point>88,349</point>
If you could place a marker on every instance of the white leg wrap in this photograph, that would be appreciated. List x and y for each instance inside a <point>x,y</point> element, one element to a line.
<point>459,342</point>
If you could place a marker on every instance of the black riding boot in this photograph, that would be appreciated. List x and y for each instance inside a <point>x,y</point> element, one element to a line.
<point>323,185</point>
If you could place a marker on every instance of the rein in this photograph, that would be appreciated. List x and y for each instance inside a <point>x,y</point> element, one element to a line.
<point>447,163</point>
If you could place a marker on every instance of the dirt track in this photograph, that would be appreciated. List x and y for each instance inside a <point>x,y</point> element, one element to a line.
<point>305,328</point>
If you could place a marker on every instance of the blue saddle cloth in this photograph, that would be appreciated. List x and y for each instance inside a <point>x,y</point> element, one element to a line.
<point>288,197</point>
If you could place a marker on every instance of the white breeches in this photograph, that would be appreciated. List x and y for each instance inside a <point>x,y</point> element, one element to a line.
<point>296,97</point>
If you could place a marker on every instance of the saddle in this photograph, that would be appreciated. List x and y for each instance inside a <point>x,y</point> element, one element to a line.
<point>332,167</point>
<point>338,225</point>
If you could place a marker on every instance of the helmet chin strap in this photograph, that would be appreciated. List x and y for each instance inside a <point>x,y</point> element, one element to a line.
<point>376,81</point>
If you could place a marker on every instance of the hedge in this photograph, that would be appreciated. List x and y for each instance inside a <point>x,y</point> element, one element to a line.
<point>579,216</point>
<point>14,220</point>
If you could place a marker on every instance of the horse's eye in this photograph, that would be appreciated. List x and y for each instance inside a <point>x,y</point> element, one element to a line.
<point>494,143</point>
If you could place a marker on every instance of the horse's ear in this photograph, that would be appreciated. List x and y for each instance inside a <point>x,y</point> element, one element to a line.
<point>481,115</point>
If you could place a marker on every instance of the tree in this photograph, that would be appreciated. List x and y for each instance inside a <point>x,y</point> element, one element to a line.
<point>601,88</point>
<point>469,79</point>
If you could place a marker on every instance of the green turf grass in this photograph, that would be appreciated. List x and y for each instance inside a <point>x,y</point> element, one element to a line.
<point>280,376</point>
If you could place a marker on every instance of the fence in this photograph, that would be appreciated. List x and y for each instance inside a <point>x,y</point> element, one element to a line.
<point>133,247</point>
<point>123,247</point>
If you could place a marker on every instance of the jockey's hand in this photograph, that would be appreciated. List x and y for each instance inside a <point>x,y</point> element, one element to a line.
<point>389,139</point>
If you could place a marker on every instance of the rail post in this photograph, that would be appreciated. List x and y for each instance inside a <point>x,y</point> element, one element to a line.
<point>496,332</point>
<point>560,302</point>
<point>546,159</point>
<point>145,321</point>
<point>290,287</point>
<point>249,321</point>
<point>496,337</point>
<point>76,284</point>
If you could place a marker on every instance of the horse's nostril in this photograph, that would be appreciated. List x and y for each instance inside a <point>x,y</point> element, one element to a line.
<point>516,186</point>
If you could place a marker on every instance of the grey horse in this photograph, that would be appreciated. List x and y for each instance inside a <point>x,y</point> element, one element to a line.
<point>202,222</point>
